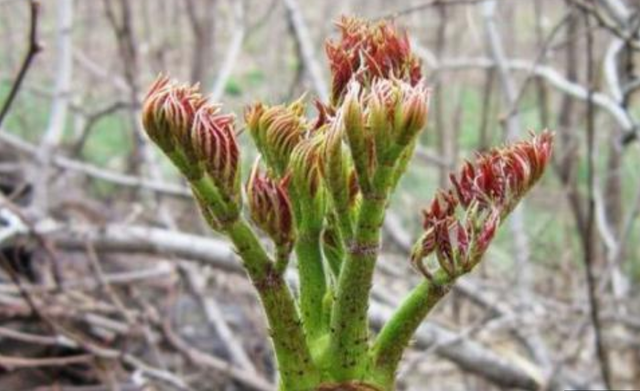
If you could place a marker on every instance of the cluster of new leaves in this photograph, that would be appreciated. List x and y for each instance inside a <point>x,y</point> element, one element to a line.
<point>378,108</point>
<point>379,105</point>
<point>486,191</point>
<point>199,139</point>
<point>369,51</point>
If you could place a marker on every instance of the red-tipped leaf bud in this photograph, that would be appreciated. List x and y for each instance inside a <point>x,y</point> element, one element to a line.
<point>306,179</point>
<point>252,116</point>
<point>367,51</point>
<point>216,147</point>
<point>351,118</point>
<point>413,112</point>
<point>339,173</point>
<point>382,125</point>
<point>397,112</point>
<point>168,113</point>
<point>276,131</point>
<point>270,207</point>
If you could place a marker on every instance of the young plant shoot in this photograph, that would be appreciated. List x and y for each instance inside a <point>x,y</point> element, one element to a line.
<point>319,192</point>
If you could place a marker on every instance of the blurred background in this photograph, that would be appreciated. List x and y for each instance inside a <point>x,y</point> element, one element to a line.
<point>111,281</point>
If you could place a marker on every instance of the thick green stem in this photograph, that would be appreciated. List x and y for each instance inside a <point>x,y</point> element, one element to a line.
<point>345,223</point>
<point>396,334</point>
<point>349,322</point>
<point>313,283</point>
<point>296,367</point>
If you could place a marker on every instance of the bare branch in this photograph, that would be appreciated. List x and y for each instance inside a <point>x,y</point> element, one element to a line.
<point>611,25</point>
<point>33,49</point>
<point>511,123</point>
<point>313,69</point>
<point>97,172</point>
<point>429,4</point>
<point>247,378</point>
<point>10,363</point>
<point>233,51</point>
<point>215,318</point>
<point>59,107</point>
<point>589,245</point>
<point>552,76</point>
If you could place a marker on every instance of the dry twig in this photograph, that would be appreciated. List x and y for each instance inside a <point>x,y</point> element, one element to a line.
<point>33,49</point>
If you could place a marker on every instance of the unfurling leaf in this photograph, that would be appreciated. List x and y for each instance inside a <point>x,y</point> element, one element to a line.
<point>215,146</point>
<point>487,191</point>
<point>270,207</point>
<point>168,112</point>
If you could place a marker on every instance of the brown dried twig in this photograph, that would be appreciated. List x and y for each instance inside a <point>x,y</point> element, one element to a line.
<point>610,25</point>
<point>249,380</point>
<point>22,362</point>
<point>429,4</point>
<point>590,251</point>
<point>34,48</point>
